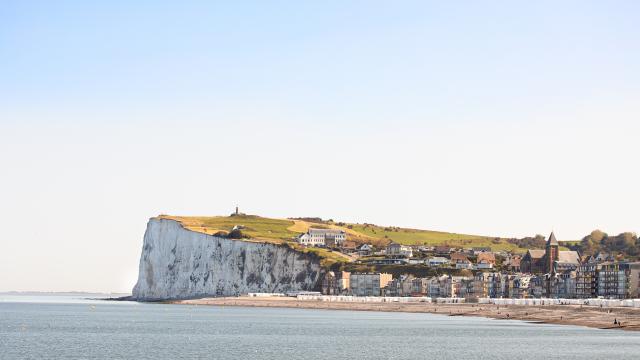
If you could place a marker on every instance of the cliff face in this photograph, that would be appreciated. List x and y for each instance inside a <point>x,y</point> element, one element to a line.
<point>177,264</point>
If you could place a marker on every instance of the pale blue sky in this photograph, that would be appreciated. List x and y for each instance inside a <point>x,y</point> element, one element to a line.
<point>497,118</point>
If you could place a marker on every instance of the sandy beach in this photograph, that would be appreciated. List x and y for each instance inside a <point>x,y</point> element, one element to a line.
<point>591,316</point>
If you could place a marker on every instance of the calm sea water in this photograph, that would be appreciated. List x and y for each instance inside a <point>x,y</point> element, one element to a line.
<point>71,328</point>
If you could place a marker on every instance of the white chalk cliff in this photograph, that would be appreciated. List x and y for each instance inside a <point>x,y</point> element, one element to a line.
<point>177,263</point>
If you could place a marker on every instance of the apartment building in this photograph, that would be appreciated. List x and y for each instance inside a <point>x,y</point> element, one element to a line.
<point>368,284</point>
<point>618,280</point>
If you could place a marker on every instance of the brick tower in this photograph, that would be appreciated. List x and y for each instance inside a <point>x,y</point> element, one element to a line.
<point>551,253</point>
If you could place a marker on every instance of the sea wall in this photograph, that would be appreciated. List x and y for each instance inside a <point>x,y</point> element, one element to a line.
<point>177,263</point>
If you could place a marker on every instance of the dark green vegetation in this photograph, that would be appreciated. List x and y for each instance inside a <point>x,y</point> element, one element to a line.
<point>625,245</point>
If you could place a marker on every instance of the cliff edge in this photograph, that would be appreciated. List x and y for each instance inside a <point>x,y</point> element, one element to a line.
<point>177,263</point>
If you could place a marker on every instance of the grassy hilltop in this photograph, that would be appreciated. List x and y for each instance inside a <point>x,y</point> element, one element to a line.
<point>258,229</point>
<point>285,230</point>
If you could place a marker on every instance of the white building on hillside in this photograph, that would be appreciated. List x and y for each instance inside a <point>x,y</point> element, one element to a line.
<point>395,249</point>
<point>437,261</point>
<point>323,237</point>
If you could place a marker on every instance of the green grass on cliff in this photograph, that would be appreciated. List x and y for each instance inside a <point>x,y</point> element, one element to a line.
<point>328,257</point>
<point>431,238</point>
<point>258,229</point>
<point>254,226</point>
<point>285,230</point>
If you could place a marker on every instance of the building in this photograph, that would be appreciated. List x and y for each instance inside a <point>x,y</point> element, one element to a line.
<point>466,289</point>
<point>538,286</point>
<point>492,285</point>
<point>368,284</point>
<point>387,261</point>
<point>513,263</point>
<point>567,261</point>
<point>587,279</point>
<point>401,286</point>
<point>392,288</point>
<point>483,266</point>
<point>478,250</point>
<point>349,247</point>
<point>604,257</point>
<point>336,283</point>
<point>420,287</point>
<point>437,261</point>
<point>442,250</point>
<point>549,260</point>
<point>323,237</point>
<point>481,284</point>
<point>445,286</point>
<point>437,285</point>
<point>460,261</point>
<point>619,280</point>
<point>610,280</point>
<point>395,249</point>
<point>522,286</point>
<point>454,286</point>
<point>440,286</point>
<point>364,250</point>
<point>486,258</point>
<point>562,285</point>
<point>464,264</point>
<point>551,253</point>
<point>533,262</point>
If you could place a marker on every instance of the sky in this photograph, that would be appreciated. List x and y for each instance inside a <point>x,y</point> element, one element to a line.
<point>492,118</point>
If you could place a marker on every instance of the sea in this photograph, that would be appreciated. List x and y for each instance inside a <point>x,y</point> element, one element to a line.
<point>75,327</point>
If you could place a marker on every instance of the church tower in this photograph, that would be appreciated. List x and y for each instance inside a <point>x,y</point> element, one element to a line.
<point>551,253</point>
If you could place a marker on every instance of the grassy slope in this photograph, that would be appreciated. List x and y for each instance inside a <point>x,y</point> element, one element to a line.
<point>284,231</point>
<point>276,231</point>
<point>433,238</point>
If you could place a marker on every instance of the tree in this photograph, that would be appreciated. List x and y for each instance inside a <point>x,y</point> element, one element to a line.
<point>625,244</point>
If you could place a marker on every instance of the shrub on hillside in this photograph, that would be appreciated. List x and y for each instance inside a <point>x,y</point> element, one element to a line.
<point>237,234</point>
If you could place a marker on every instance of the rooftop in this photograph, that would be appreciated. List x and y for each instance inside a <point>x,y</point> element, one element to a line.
<point>325,231</point>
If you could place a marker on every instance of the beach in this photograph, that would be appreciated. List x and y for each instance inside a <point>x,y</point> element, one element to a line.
<point>590,316</point>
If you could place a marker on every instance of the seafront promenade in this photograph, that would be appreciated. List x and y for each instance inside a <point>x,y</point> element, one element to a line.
<point>551,311</point>
<point>607,303</point>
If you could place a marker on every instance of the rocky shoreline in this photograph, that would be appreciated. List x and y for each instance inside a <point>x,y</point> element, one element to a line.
<point>590,316</point>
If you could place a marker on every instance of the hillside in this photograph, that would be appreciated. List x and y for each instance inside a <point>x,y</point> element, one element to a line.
<point>285,230</point>
<point>258,229</point>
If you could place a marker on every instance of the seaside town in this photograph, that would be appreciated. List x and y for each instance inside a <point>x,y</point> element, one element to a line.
<point>469,274</point>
